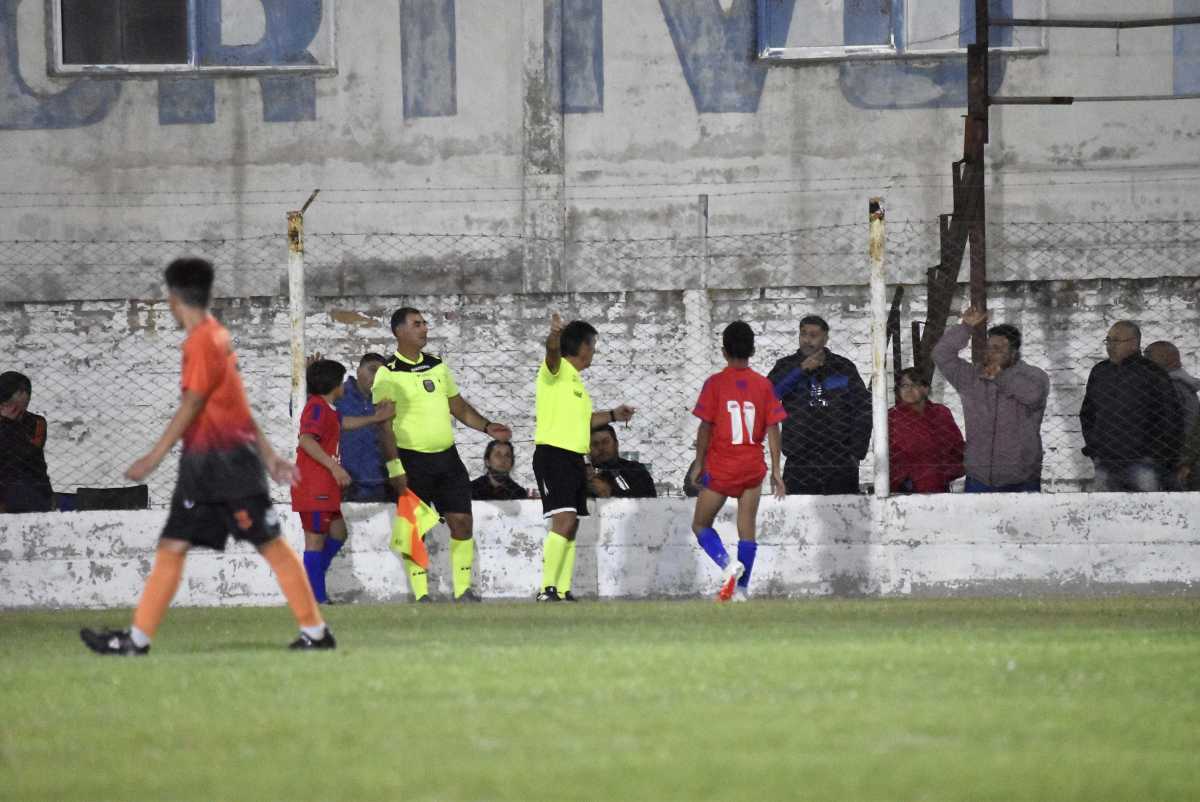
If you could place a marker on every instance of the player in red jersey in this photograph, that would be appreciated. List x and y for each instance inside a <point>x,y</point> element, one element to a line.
<point>737,410</point>
<point>317,497</point>
<point>222,487</point>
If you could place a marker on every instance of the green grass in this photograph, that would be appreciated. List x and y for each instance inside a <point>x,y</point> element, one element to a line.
<point>845,700</point>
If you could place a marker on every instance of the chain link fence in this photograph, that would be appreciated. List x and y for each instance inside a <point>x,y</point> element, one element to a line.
<point>87,324</point>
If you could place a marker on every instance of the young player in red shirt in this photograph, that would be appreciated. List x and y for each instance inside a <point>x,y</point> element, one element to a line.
<point>317,497</point>
<point>222,487</point>
<point>737,407</point>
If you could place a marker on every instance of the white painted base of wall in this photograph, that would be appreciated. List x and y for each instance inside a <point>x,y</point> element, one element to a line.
<point>808,546</point>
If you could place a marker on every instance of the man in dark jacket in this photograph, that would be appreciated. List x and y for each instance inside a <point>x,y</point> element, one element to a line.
<point>1132,423</point>
<point>612,476</point>
<point>828,428</point>
<point>497,483</point>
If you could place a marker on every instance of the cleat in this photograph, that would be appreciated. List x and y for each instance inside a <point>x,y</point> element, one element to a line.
<point>568,596</point>
<point>469,596</point>
<point>305,643</point>
<point>112,641</point>
<point>425,599</point>
<point>740,594</point>
<point>733,572</point>
<point>549,594</point>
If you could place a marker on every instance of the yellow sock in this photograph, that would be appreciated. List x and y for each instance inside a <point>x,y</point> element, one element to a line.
<point>568,569</point>
<point>462,555</point>
<point>554,552</point>
<point>417,579</point>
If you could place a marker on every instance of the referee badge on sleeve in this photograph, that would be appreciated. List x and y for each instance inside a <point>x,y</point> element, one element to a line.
<point>429,385</point>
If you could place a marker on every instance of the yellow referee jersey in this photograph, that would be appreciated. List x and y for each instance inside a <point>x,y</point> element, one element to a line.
<point>421,391</point>
<point>564,409</point>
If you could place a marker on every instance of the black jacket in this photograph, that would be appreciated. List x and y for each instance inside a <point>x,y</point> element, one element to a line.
<point>24,483</point>
<point>1131,413</point>
<point>629,479</point>
<point>829,411</point>
<point>482,489</point>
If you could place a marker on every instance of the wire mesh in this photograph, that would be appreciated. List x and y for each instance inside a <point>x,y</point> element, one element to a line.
<point>85,321</point>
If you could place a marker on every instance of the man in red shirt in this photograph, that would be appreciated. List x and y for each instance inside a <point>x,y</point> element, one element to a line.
<point>737,409</point>
<point>222,487</point>
<point>317,497</point>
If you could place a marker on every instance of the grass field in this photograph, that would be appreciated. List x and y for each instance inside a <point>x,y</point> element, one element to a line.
<point>847,700</point>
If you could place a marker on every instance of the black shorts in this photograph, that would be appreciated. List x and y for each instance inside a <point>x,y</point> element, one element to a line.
<point>562,480</point>
<point>210,523</point>
<point>439,479</point>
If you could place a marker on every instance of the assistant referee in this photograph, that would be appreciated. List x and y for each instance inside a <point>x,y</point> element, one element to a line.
<point>418,443</point>
<point>563,435</point>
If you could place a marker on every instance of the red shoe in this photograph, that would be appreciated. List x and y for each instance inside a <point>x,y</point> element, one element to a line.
<point>733,572</point>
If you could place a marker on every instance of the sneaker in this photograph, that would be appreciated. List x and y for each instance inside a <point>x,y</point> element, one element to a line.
<point>469,596</point>
<point>304,642</point>
<point>733,572</point>
<point>740,594</point>
<point>425,599</point>
<point>549,594</point>
<point>568,596</point>
<point>112,641</point>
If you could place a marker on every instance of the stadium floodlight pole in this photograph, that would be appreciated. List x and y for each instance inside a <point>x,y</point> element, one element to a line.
<point>879,318</point>
<point>296,308</point>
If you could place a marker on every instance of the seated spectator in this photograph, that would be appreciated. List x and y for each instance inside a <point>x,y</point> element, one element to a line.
<point>1131,418</point>
<point>360,452</point>
<point>24,482</point>
<point>1004,401</point>
<point>1166,356</point>
<point>925,444</point>
<point>497,484</point>
<point>613,477</point>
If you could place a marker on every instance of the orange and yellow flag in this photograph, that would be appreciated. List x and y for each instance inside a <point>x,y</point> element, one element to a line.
<point>413,519</point>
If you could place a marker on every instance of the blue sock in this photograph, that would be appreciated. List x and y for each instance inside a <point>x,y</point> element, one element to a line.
<point>746,551</point>
<point>332,547</point>
<point>314,566</point>
<point>710,541</point>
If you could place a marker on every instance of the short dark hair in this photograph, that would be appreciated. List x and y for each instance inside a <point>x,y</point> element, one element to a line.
<point>814,320</point>
<point>400,316</point>
<point>574,335</point>
<point>606,427</point>
<point>738,340</point>
<point>1008,332</point>
<point>323,376</point>
<point>487,452</point>
<point>191,280</point>
<point>914,375</point>
<point>12,383</point>
<point>371,356</point>
<point>1133,327</point>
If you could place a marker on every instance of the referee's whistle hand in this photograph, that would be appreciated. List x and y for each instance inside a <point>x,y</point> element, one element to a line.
<point>623,412</point>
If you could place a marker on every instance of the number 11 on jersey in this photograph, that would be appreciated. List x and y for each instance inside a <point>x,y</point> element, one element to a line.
<point>741,422</point>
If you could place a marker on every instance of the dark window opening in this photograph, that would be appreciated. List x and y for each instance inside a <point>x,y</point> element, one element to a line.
<point>125,31</point>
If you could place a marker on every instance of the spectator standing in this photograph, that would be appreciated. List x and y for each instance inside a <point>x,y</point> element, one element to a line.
<point>1004,401</point>
<point>924,442</point>
<point>497,483</point>
<point>1166,356</point>
<point>828,428</point>
<point>1132,423</point>
<point>361,454</point>
<point>613,476</point>
<point>24,481</point>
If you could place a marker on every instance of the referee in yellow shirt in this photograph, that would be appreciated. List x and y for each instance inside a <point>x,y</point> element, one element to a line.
<point>563,435</point>
<point>418,443</point>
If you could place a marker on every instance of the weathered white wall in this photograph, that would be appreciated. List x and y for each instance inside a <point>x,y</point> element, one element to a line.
<point>809,546</point>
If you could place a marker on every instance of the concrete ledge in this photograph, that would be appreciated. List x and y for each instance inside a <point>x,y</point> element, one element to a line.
<point>847,545</point>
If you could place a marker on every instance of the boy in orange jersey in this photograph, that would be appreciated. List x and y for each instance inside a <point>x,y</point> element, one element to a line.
<point>222,487</point>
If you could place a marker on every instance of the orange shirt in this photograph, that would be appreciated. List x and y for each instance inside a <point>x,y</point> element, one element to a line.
<point>210,369</point>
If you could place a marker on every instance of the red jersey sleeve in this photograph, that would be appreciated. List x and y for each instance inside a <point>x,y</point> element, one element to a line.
<point>204,362</point>
<point>706,405</point>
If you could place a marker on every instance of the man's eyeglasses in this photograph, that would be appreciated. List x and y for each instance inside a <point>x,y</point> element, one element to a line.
<point>1115,340</point>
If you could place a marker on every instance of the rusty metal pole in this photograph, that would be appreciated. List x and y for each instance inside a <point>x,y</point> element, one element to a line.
<point>879,327</point>
<point>296,307</point>
<point>976,139</point>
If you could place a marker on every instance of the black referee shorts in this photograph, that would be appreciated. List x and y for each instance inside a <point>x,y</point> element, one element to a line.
<point>562,480</point>
<point>439,479</point>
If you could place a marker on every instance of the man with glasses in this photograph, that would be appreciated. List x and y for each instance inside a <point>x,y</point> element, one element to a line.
<point>1004,400</point>
<point>1132,422</point>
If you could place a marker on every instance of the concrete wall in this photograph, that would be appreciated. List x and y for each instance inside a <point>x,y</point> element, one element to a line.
<point>809,546</point>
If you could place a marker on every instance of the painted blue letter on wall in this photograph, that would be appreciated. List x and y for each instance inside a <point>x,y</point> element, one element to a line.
<point>578,83</point>
<point>182,101</point>
<point>1187,49</point>
<point>83,102</point>
<point>716,51</point>
<point>428,59</point>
